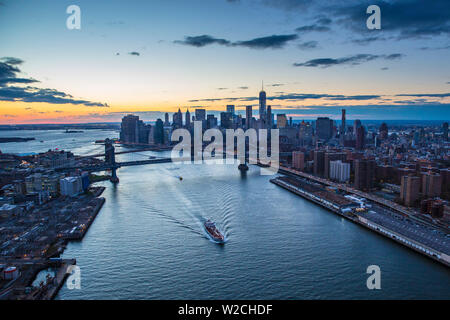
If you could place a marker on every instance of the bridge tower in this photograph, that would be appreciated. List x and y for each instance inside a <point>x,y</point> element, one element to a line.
<point>110,158</point>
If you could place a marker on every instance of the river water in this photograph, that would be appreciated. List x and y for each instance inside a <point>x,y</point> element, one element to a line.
<point>148,242</point>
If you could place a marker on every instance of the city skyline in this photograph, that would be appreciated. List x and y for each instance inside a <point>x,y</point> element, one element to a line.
<point>147,59</point>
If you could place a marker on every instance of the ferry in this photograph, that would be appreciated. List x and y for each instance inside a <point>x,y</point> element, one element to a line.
<point>213,232</point>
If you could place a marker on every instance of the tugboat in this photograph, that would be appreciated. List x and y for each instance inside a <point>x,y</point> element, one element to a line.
<point>213,232</point>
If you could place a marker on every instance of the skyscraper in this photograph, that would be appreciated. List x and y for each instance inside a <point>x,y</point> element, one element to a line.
<point>231,109</point>
<point>262,105</point>
<point>342,132</point>
<point>188,119</point>
<point>324,128</point>
<point>269,119</point>
<point>226,120</point>
<point>445,131</point>
<point>360,137</point>
<point>166,121</point>
<point>158,136</point>
<point>200,114</point>
<point>248,117</point>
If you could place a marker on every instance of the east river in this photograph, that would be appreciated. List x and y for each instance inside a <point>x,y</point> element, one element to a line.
<point>148,242</point>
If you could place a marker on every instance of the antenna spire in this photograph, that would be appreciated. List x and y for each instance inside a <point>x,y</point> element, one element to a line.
<point>262,86</point>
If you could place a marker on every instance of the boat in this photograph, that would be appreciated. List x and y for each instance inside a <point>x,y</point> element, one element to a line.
<point>213,232</point>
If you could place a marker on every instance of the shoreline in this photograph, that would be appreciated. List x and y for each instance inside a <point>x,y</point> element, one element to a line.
<point>372,226</point>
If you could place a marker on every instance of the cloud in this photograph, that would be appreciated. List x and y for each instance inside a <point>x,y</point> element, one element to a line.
<point>12,60</point>
<point>367,40</point>
<point>10,92</point>
<point>222,88</point>
<point>433,95</point>
<point>295,97</point>
<point>134,53</point>
<point>405,19</point>
<point>201,41</point>
<point>349,60</point>
<point>308,45</point>
<point>243,88</point>
<point>273,41</point>
<point>321,25</point>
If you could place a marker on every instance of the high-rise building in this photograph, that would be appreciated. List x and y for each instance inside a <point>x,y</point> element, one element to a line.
<point>133,130</point>
<point>262,105</point>
<point>339,171</point>
<point>231,109</point>
<point>356,125</point>
<point>364,174</point>
<point>332,156</point>
<point>178,119</point>
<point>409,190</point>
<point>324,128</point>
<point>226,120</point>
<point>269,117</point>
<point>211,121</point>
<point>248,116</point>
<point>445,131</point>
<point>383,130</point>
<point>166,120</point>
<point>319,162</point>
<point>200,114</point>
<point>281,120</point>
<point>298,160</point>
<point>431,184</point>
<point>158,133</point>
<point>360,137</point>
<point>188,119</point>
<point>342,131</point>
<point>129,129</point>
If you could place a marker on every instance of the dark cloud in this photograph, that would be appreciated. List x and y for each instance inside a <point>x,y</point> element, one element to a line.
<point>321,25</point>
<point>295,97</point>
<point>12,60</point>
<point>222,88</point>
<point>274,42</point>
<point>201,41</point>
<point>243,88</point>
<point>308,45</point>
<point>349,60</point>
<point>407,19</point>
<point>134,53</point>
<point>384,68</point>
<point>277,85</point>
<point>367,40</point>
<point>311,28</point>
<point>9,92</point>
<point>431,95</point>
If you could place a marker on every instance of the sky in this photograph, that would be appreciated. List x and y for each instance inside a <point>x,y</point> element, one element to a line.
<point>151,57</point>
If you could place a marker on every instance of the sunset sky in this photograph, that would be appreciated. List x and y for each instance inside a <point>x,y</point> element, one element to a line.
<point>154,56</point>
